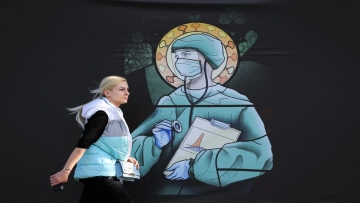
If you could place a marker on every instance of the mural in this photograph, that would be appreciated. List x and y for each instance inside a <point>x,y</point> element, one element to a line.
<point>290,66</point>
<point>202,135</point>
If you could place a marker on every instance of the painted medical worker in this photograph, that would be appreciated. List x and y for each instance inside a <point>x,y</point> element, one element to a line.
<point>195,57</point>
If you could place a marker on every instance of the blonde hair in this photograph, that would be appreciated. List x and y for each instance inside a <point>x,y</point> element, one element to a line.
<point>108,83</point>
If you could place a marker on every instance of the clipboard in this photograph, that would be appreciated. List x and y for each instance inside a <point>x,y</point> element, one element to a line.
<point>203,134</point>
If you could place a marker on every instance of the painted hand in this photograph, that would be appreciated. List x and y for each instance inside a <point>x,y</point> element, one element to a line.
<point>180,170</point>
<point>162,133</point>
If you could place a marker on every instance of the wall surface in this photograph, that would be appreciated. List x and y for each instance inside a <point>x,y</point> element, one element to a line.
<point>297,64</point>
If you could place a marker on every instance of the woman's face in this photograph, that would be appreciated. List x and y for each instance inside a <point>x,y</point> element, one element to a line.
<point>119,94</point>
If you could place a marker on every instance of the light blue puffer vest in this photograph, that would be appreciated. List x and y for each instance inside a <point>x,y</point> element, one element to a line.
<point>114,144</point>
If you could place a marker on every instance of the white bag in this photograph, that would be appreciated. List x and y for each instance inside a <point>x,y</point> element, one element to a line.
<point>126,171</point>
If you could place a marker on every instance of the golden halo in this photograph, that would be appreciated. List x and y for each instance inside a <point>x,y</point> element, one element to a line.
<point>164,62</point>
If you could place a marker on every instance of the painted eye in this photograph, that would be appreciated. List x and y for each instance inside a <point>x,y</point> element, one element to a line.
<point>186,54</point>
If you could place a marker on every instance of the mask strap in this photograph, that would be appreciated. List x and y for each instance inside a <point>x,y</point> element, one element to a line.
<point>206,88</point>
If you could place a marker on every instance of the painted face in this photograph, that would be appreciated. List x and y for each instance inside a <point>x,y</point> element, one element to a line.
<point>187,63</point>
<point>119,94</point>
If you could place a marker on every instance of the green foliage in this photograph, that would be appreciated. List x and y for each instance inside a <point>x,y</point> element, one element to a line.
<point>137,54</point>
<point>251,38</point>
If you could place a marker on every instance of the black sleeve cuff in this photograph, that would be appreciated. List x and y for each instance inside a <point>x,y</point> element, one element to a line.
<point>191,168</point>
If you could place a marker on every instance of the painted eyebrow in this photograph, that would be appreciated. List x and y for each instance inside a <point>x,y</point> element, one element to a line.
<point>186,52</point>
<point>174,51</point>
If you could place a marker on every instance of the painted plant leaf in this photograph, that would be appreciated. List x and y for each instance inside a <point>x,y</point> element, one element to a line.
<point>251,38</point>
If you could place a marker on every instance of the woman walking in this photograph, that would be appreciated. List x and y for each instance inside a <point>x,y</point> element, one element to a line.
<point>105,139</point>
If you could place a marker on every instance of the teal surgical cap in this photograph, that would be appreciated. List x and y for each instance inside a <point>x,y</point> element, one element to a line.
<point>210,47</point>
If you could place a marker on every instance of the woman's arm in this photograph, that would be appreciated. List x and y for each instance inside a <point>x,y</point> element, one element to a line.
<point>62,176</point>
<point>92,132</point>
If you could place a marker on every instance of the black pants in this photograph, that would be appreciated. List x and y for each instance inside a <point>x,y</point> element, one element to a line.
<point>104,189</point>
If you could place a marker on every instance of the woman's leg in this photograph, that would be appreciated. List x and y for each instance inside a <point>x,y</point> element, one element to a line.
<point>109,190</point>
<point>88,194</point>
<point>113,191</point>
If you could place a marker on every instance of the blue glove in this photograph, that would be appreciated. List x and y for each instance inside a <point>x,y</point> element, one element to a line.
<point>180,170</point>
<point>162,133</point>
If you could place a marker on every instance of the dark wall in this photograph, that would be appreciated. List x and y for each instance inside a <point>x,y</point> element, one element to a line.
<point>52,52</point>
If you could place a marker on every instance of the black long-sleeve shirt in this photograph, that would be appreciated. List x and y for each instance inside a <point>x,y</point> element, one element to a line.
<point>94,128</point>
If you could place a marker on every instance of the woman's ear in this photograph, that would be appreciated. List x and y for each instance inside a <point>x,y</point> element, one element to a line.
<point>106,93</point>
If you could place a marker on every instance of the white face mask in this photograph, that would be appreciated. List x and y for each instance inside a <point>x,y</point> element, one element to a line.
<point>188,67</point>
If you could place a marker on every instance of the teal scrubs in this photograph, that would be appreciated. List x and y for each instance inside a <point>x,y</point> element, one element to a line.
<point>251,151</point>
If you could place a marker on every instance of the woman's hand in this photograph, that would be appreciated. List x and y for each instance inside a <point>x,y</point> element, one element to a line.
<point>136,163</point>
<point>59,177</point>
<point>62,176</point>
